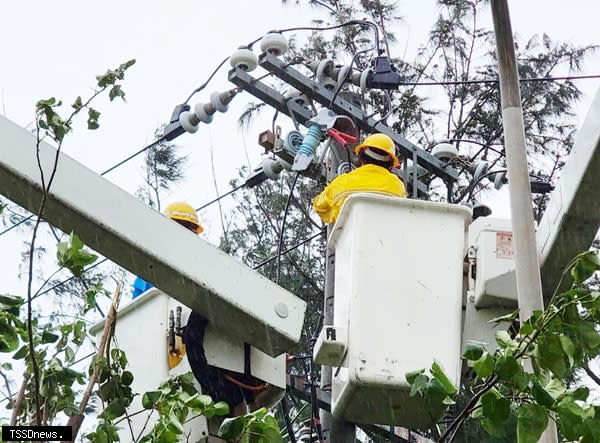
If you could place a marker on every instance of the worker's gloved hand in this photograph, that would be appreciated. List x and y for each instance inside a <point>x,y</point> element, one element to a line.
<point>267,398</point>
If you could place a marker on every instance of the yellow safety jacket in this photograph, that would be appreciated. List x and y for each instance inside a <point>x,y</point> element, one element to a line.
<point>366,178</point>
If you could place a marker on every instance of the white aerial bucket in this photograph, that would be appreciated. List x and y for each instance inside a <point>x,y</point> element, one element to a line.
<point>141,332</point>
<point>398,303</point>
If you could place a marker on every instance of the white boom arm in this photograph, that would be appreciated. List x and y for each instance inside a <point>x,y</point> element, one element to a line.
<point>233,297</point>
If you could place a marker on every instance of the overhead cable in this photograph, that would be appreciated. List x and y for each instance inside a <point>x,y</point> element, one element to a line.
<point>482,81</point>
<point>112,168</point>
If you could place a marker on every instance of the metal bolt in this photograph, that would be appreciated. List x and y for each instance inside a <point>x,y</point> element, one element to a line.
<point>281,310</point>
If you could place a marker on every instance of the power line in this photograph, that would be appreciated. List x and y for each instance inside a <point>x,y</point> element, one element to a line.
<point>203,85</point>
<point>282,228</point>
<point>523,80</point>
<point>57,285</point>
<point>112,168</point>
<point>291,248</point>
<point>220,197</point>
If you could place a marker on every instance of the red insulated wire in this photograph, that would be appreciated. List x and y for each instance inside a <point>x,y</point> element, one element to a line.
<point>236,382</point>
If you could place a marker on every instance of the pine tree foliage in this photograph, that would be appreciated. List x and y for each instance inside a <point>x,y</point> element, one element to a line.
<point>163,167</point>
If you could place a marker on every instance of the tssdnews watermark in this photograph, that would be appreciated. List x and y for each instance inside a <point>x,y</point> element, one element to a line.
<point>37,433</point>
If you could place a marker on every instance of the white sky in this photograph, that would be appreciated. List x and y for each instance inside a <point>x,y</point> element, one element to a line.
<point>56,48</point>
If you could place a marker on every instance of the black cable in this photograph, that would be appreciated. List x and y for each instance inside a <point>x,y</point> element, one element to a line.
<point>347,73</point>
<point>220,197</point>
<point>106,259</point>
<point>524,80</point>
<point>203,85</point>
<point>112,168</point>
<point>298,28</point>
<point>389,111</point>
<point>286,419</point>
<point>69,279</point>
<point>282,228</point>
<point>135,154</point>
<point>341,25</point>
<point>297,245</point>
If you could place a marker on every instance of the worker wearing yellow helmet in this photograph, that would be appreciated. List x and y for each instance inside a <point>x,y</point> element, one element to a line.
<point>232,387</point>
<point>186,216</point>
<point>376,158</point>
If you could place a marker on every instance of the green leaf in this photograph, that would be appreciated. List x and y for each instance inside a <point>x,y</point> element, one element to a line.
<point>585,266</point>
<point>589,337</point>
<point>579,394</point>
<point>9,339</point>
<point>93,116</point>
<point>591,428</point>
<point>78,103</point>
<point>541,395</point>
<point>526,328</point>
<point>127,378</point>
<point>69,354</point>
<point>503,338</point>
<point>150,398</point>
<point>568,348</point>
<point>411,376</point>
<point>495,408</point>
<point>231,429</point>
<point>114,409</point>
<point>474,350</point>
<point>115,92</point>
<point>484,367</point>
<point>21,353</point>
<point>552,356</point>
<point>176,424</point>
<point>49,337</point>
<point>440,375</point>
<point>6,366</point>
<point>128,64</point>
<point>571,416</point>
<point>48,102</point>
<point>206,400</point>
<point>510,318</point>
<point>419,384</point>
<point>532,420</point>
<point>555,388</point>
<point>7,300</point>
<point>221,408</point>
<point>506,368</point>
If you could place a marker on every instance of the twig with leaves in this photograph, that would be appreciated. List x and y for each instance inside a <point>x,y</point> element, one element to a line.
<point>49,123</point>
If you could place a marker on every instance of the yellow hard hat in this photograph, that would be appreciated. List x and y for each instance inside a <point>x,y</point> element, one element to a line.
<point>382,142</point>
<point>184,212</point>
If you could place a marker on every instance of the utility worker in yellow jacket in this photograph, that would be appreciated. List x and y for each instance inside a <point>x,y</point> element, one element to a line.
<point>376,158</point>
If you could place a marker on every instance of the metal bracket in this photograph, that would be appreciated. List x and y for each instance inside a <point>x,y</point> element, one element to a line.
<point>323,96</point>
<point>293,110</point>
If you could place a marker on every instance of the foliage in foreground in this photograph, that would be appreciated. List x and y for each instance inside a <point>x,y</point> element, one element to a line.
<point>523,380</point>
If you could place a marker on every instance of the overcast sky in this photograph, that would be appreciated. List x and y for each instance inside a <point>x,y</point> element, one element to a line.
<point>56,48</point>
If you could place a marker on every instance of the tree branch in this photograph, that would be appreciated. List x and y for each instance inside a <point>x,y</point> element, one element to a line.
<point>76,420</point>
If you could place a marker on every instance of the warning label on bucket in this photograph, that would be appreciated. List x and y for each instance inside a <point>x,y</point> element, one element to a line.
<point>504,247</point>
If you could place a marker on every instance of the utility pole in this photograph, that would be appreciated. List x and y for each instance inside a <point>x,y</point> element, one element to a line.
<point>334,430</point>
<point>527,267</point>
